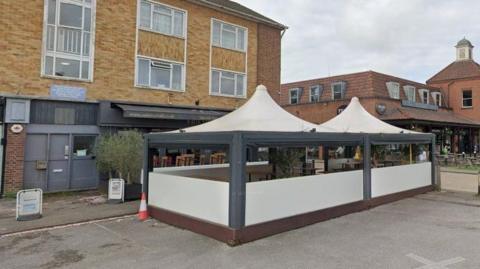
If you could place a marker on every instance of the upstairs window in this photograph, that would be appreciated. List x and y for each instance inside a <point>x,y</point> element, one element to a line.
<point>437,98</point>
<point>226,83</point>
<point>160,74</point>
<point>338,90</point>
<point>424,93</point>
<point>409,92</point>
<point>393,89</point>
<point>229,36</point>
<point>162,19</point>
<point>68,39</point>
<point>294,96</point>
<point>315,93</point>
<point>467,100</point>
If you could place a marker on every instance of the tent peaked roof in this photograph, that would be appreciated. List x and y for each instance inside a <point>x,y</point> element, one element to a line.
<point>355,119</point>
<point>260,113</point>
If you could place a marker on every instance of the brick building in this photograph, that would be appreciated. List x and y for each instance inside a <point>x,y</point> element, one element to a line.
<point>444,106</point>
<point>72,69</point>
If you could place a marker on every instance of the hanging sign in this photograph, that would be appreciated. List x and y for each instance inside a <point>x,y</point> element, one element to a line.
<point>116,190</point>
<point>29,204</point>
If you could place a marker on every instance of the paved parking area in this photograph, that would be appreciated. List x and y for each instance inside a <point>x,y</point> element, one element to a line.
<point>420,232</point>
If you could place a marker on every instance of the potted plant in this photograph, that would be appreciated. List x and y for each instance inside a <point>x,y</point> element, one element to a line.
<point>120,156</point>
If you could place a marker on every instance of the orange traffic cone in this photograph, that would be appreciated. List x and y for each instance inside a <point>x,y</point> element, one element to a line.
<point>143,213</point>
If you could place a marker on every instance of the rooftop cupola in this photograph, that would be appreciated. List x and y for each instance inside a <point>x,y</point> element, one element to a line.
<point>464,50</point>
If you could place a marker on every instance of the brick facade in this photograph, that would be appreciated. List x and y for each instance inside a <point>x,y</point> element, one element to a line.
<point>14,152</point>
<point>114,60</point>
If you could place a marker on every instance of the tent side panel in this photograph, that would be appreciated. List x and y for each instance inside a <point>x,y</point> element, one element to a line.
<point>276,199</point>
<point>395,179</point>
<point>202,199</point>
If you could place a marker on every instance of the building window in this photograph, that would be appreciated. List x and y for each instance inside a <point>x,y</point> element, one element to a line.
<point>162,19</point>
<point>437,98</point>
<point>227,83</point>
<point>229,36</point>
<point>424,95</point>
<point>409,92</point>
<point>68,39</point>
<point>393,89</point>
<point>294,96</point>
<point>467,98</point>
<point>338,90</point>
<point>160,74</point>
<point>315,93</point>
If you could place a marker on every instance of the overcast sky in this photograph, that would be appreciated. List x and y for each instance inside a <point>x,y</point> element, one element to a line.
<point>411,39</point>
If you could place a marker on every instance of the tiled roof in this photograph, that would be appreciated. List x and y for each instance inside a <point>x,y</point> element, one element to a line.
<point>241,10</point>
<point>440,116</point>
<point>457,70</point>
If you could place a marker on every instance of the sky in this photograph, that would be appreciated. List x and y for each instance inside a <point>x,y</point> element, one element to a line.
<point>412,39</point>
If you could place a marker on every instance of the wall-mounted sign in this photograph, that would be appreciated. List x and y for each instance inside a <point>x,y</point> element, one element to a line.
<point>29,204</point>
<point>68,92</point>
<point>16,128</point>
<point>380,108</point>
<point>116,190</point>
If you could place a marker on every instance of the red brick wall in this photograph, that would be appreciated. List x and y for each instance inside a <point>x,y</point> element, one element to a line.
<point>14,154</point>
<point>452,90</point>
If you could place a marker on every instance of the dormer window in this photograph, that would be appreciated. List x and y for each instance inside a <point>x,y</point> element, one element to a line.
<point>409,92</point>
<point>338,90</point>
<point>437,98</point>
<point>393,89</point>
<point>424,95</point>
<point>315,93</point>
<point>294,97</point>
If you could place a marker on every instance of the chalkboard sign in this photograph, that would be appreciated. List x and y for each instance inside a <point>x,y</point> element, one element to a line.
<point>29,204</point>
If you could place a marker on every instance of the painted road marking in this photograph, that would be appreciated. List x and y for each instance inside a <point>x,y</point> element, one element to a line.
<point>428,264</point>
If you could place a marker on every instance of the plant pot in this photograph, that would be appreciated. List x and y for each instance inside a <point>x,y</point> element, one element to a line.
<point>132,191</point>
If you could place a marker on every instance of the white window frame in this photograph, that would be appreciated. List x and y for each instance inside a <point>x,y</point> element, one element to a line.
<point>172,13</point>
<point>343,89</point>
<point>410,88</point>
<point>317,87</point>
<point>471,98</point>
<point>244,95</point>
<point>90,58</point>
<point>422,96</point>
<point>183,81</point>
<point>393,89</point>
<point>437,98</point>
<point>297,90</point>
<point>222,23</point>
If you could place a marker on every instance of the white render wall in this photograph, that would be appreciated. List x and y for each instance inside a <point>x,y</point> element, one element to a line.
<point>388,180</point>
<point>199,198</point>
<point>275,199</point>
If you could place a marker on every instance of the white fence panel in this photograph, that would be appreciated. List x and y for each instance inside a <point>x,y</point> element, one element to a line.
<point>275,199</point>
<point>203,199</point>
<point>394,179</point>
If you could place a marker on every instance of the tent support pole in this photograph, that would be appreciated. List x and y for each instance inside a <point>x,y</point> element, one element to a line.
<point>367,175</point>
<point>433,161</point>
<point>237,186</point>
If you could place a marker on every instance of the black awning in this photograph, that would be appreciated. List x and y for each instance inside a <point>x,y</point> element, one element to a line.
<point>169,113</point>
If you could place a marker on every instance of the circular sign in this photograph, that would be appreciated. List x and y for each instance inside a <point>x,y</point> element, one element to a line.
<point>380,108</point>
<point>16,128</point>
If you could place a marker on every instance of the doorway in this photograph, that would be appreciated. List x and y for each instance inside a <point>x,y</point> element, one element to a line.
<point>59,162</point>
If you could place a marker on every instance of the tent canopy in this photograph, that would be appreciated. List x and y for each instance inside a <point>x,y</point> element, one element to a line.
<point>261,113</point>
<point>355,119</point>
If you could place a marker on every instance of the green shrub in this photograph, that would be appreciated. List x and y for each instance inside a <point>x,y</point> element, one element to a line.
<point>120,155</point>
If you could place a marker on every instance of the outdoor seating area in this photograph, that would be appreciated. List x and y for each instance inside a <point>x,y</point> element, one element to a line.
<point>277,172</point>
